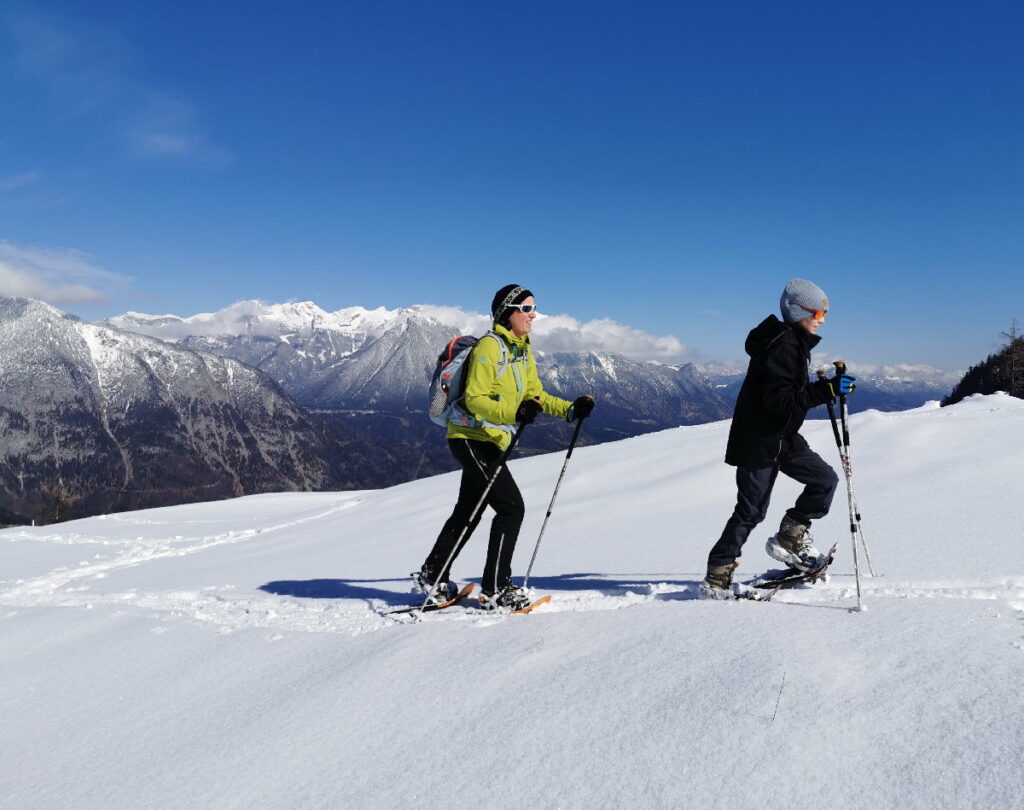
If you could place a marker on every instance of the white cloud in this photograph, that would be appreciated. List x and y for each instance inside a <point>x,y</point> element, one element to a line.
<point>22,180</point>
<point>900,371</point>
<point>91,70</point>
<point>56,275</point>
<point>169,128</point>
<point>563,333</point>
<point>558,333</point>
<point>471,323</point>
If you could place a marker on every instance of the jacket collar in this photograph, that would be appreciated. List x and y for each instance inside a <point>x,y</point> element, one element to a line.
<point>509,338</point>
<point>807,340</point>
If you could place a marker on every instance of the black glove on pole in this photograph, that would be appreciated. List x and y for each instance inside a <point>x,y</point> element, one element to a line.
<point>527,411</point>
<point>477,508</point>
<point>581,407</point>
<point>551,505</point>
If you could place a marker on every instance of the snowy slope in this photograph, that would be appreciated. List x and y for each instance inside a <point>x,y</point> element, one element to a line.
<point>235,655</point>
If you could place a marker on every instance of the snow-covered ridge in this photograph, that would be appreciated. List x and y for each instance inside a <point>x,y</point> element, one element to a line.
<point>359,325</point>
<point>97,419</point>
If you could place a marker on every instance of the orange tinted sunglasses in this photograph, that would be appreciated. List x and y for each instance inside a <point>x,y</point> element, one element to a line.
<point>817,313</point>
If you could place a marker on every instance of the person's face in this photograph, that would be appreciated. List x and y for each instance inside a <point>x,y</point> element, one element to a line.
<point>811,324</point>
<point>519,322</point>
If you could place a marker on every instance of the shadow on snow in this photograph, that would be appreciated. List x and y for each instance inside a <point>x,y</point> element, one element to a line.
<point>340,589</point>
<point>363,589</point>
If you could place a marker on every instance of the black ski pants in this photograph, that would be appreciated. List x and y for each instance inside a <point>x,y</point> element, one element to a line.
<point>755,490</point>
<point>478,460</point>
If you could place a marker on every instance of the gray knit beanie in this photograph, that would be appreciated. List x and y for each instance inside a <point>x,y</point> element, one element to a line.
<point>799,294</point>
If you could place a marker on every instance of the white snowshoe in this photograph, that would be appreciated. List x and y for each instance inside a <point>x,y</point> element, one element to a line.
<point>792,546</point>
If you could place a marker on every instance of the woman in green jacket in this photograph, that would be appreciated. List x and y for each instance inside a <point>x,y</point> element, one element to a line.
<point>502,389</point>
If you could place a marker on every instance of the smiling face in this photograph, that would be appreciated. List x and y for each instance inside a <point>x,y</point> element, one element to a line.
<point>519,322</point>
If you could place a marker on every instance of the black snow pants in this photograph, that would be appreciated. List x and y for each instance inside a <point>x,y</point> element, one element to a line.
<point>478,460</point>
<point>755,490</point>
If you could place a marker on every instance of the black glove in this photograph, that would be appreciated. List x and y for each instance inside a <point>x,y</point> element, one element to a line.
<point>581,408</point>
<point>528,410</point>
<point>825,391</point>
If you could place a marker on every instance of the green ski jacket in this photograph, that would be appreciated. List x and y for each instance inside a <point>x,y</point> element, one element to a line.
<point>493,398</point>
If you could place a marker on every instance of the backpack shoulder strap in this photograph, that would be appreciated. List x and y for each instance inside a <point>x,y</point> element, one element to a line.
<point>503,360</point>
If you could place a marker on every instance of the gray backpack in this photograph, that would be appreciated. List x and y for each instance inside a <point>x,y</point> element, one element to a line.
<point>448,384</point>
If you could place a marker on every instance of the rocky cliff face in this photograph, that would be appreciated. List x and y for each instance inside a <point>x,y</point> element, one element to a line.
<point>93,419</point>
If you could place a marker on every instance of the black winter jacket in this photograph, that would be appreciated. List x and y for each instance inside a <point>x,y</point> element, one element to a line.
<point>775,396</point>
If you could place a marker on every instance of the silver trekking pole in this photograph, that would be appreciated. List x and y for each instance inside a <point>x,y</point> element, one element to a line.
<point>843,443</point>
<point>551,505</point>
<point>849,488</point>
<point>475,513</point>
<point>855,509</point>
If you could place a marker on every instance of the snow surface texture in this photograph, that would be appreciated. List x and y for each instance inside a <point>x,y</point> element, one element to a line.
<point>235,654</point>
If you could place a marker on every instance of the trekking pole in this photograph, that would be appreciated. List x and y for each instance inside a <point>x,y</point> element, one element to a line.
<point>849,486</point>
<point>855,509</point>
<point>551,505</point>
<point>475,513</point>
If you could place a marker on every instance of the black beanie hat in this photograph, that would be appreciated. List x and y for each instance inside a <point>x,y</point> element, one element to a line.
<point>504,298</point>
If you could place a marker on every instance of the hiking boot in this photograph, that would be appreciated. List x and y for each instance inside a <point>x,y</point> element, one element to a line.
<point>717,583</point>
<point>423,581</point>
<point>507,599</point>
<point>792,545</point>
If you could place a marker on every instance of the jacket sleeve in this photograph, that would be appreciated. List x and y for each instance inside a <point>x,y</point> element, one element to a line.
<point>553,406</point>
<point>786,389</point>
<point>481,401</point>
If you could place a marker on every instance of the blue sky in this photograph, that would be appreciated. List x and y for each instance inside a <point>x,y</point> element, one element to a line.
<point>666,165</point>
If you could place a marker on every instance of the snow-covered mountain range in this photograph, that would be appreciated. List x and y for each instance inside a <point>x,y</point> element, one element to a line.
<point>144,410</point>
<point>357,360</point>
<point>371,368</point>
<point>95,419</point>
<point>238,654</point>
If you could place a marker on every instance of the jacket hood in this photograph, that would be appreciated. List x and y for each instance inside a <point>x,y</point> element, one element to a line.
<point>771,329</point>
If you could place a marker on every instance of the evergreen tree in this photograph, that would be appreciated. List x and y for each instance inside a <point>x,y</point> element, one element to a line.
<point>1002,371</point>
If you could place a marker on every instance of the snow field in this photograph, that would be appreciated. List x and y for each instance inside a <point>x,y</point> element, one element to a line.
<point>236,654</point>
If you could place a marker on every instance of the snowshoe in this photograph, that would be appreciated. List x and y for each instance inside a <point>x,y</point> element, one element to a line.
<point>508,598</point>
<point>423,581</point>
<point>792,546</point>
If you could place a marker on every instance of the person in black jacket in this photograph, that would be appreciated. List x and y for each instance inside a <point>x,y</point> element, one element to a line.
<point>764,438</point>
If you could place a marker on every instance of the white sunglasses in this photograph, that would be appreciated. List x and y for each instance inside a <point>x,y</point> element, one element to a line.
<point>524,308</point>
